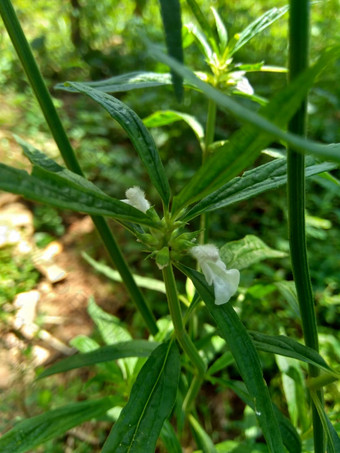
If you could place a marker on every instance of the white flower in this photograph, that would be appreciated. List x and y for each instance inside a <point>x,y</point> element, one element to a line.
<point>215,272</point>
<point>136,198</point>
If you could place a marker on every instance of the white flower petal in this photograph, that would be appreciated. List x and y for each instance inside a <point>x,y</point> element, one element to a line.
<point>215,272</point>
<point>136,198</point>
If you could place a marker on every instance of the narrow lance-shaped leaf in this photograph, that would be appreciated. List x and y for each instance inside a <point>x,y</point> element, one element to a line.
<point>290,436</point>
<point>241,346</point>
<point>169,438</point>
<point>50,188</point>
<point>253,182</point>
<point>34,431</point>
<point>289,347</point>
<point>333,440</point>
<point>125,82</point>
<point>246,143</point>
<point>202,20</point>
<point>142,282</point>
<point>172,22</point>
<point>202,42</point>
<point>249,141</point>
<point>132,348</point>
<point>137,132</point>
<point>152,398</point>
<point>255,27</point>
<point>221,31</point>
<point>165,117</point>
<point>202,438</point>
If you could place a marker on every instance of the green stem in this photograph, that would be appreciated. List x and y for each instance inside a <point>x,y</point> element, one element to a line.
<point>177,320</point>
<point>210,128</point>
<point>194,388</point>
<point>209,138</point>
<point>43,96</point>
<point>298,61</point>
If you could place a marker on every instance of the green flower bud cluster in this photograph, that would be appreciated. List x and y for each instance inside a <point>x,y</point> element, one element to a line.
<point>169,241</point>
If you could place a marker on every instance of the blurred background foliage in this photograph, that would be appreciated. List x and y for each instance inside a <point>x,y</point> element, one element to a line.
<point>91,40</point>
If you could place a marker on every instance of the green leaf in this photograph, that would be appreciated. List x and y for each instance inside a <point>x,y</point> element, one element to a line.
<point>246,358</point>
<point>54,190</point>
<point>55,185</point>
<point>202,20</point>
<point>294,390</point>
<point>245,144</point>
<point>137,132</point>
<point>288,291</point>
<point>112,331</point>
<point>34,431</point>
<point>253,182</point>
<point>221,31</point>
<point>165,117</point>
<point>132,348</point>
<point>169,438</point>
<point>261,23</point>
<point>202,439</point>
<point>247,251</point>
<point>202,42</point>
<point>288,347</point>
<point>125,82</point>
<point>142,282</point>
<point>290,436</point>
<point>84,345</point>
<point>234,446</point>
<point>152,398</point>
<point>172,22</point>
<point>222,362</point>
<point>333,440</point>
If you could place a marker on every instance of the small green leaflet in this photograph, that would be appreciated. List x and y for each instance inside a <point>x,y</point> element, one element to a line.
<point>247,251</point>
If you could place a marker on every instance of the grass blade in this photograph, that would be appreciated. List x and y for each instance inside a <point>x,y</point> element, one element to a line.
<point>152,398</point>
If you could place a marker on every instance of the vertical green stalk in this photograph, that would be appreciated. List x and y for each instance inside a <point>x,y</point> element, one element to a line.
<point>210,128</point>
<point>298,61</point>
<point>177,320</point>
<point>209,138</point>
<point>43,96</point>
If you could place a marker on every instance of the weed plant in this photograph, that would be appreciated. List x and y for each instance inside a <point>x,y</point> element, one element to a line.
<point>155,383</point>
